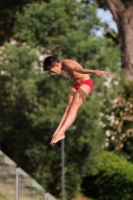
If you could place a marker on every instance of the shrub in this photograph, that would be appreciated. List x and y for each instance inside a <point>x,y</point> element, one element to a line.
<point>113,180</point>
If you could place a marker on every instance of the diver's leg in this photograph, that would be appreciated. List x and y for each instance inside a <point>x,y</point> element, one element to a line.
<point>78,99</point>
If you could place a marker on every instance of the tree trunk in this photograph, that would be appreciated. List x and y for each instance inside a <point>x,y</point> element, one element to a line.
<point>123,17</point>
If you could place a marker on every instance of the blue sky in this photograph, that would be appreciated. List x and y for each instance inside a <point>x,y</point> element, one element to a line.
<point>106,17</point>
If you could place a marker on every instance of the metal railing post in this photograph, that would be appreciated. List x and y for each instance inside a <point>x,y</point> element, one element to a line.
<point>62,170</point>
<point>63,163</point>
<point>17,183</point>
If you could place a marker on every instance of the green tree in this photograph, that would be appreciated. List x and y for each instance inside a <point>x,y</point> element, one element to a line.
<point>8,10</point>
<point>54,33</point>
<point>31,107</point>
<point>117,113</point>
<point>57,26</point>
<point>122,15</point>
<point>113,179</point>
<point>35,101</point>
<point>118,122</point>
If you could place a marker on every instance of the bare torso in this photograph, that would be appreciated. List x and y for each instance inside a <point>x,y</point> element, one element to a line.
<point>74,76</point>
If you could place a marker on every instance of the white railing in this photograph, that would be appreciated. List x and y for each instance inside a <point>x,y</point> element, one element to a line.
<point>16,184</point>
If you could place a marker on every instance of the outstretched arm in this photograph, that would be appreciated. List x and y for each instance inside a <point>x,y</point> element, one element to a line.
<point>90,71</point>
<point>75,66</point>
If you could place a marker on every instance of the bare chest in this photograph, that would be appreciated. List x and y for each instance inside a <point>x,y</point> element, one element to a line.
<point>69,74</point>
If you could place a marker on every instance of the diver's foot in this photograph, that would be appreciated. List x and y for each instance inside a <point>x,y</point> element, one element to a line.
<point>59,136</point>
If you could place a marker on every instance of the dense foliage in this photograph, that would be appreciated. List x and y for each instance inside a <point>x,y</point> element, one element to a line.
<point>33,101</point>
<point>113,179</point>
<point>31,107</point>
<point>8,10</point>
<point>118,121</point>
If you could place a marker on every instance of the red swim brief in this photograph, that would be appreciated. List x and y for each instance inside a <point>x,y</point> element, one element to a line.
<point>86,82</point>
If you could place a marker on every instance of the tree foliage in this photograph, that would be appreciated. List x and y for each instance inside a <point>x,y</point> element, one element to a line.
<point>8,10</point>
<point>31,107</point>
<point>67,19</point>
<point>118,122</point>
<point>122,14</point>
<point>113,179</point>
<point>32,101</point>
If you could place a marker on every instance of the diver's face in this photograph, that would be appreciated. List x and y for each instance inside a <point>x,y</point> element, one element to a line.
<point>56,69</point>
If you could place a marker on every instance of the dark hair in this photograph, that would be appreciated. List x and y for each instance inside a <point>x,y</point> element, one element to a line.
<point>49,62</point>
